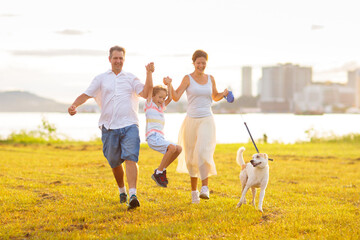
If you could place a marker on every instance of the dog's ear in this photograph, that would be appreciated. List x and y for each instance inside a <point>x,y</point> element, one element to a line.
<point>264,155</point>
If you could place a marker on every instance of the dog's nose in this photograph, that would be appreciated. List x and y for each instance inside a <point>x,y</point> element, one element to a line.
<point>252,161</point>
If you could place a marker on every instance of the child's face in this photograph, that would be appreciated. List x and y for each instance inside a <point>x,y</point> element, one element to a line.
<point>159,98</point>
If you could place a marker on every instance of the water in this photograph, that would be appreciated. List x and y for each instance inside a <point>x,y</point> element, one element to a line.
<point>230,128</point>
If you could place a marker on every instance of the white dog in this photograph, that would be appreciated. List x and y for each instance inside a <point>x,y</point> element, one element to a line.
<point>253,175</point>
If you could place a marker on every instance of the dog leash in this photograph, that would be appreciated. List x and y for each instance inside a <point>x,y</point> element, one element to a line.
<point>257,150</point>
<point>230,98</point>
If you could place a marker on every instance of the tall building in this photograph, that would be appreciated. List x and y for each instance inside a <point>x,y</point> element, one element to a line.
<point>246,86</point>
<point>279,85</point>
<point>354,82</point>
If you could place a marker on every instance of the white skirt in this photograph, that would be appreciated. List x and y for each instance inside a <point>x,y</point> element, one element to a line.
<point>197,137</point>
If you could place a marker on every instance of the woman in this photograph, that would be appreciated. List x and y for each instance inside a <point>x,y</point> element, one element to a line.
<point>197,134</point>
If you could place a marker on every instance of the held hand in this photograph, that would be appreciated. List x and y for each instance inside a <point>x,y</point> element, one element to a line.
<point>167,80</point>
<point>150,67</point>
<point>72,110</point>
<point>229,96</point>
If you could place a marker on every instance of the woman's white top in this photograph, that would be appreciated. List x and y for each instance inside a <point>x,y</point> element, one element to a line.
<point>199,98</point>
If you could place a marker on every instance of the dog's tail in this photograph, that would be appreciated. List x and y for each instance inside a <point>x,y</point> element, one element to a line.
<point>239,157</point>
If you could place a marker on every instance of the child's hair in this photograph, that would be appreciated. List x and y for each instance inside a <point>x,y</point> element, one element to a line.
<point>159,88</point>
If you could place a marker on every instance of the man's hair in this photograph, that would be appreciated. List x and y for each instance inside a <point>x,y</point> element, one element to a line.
<point>116,48</point>
<point>159,88</point>
<point>199,53</point>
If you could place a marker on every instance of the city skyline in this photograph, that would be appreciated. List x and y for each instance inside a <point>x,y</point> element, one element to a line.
<point>290,88</point>
<point>55,49</point>
<point>283,88</point>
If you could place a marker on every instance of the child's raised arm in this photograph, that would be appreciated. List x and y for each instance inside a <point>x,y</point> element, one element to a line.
<point>149,97</point>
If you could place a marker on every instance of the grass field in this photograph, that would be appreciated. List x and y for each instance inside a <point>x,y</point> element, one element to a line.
<point>67,191</point>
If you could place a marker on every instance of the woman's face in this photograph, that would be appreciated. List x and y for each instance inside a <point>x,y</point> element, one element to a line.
<point>200,64</point>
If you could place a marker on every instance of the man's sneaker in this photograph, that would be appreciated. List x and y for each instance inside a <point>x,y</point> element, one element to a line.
<point>166,180</point>
<point>123,197</point>
<point>204,193</point>
<point>159,179</point>
<point>195,197</point>
<point>133,202</point>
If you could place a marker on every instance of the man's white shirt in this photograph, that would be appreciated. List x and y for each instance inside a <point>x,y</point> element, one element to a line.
<point>117,97</point>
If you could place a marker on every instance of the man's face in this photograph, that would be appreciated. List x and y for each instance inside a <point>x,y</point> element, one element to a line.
<point>117,61</point>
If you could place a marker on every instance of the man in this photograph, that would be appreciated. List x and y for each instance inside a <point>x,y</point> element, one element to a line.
<point>116,92</point>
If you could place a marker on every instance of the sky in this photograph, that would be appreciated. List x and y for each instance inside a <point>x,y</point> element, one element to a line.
<point>55,48</point>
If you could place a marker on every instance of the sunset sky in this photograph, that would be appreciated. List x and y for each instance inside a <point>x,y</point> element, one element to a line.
<point>55,48</point>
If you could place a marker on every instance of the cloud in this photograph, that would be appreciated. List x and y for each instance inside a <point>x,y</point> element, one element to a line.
<point>175,55</point>
<point>59,52</point>
<point>316,27</point>
<point>349,66</point>
<point>65,52</point>
<point>71,32</point>
<point>4,15</point>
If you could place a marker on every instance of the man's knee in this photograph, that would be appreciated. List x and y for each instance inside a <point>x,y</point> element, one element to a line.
<point>130,163</point>
<point>118,168</point>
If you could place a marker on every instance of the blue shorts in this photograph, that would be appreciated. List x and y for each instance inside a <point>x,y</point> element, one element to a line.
<point>157,142</point>
<point>121,144</point>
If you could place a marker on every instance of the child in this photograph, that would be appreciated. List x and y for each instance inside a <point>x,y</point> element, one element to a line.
<point>154,111</point>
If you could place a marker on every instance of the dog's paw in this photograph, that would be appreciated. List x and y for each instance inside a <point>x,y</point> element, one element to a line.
<point>260,210</point>
<point>239,204</point>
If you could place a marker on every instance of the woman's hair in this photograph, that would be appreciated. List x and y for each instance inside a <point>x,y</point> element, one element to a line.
<point>116,48</point>
<point>157,89</point>
<point>199,53</point>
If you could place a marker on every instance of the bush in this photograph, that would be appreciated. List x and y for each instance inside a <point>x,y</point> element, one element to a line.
<point>316,137</point>
<point>45,133</point>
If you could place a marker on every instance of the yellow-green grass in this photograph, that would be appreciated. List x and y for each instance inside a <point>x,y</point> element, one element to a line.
<point>67,191</point>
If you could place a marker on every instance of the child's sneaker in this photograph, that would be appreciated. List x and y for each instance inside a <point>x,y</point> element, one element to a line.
<point>166,180</point>
<point>204,193</point>
<point>123,197</point>
<point>133,202</point>
<point>195,197</point>
<point>159,179</point>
